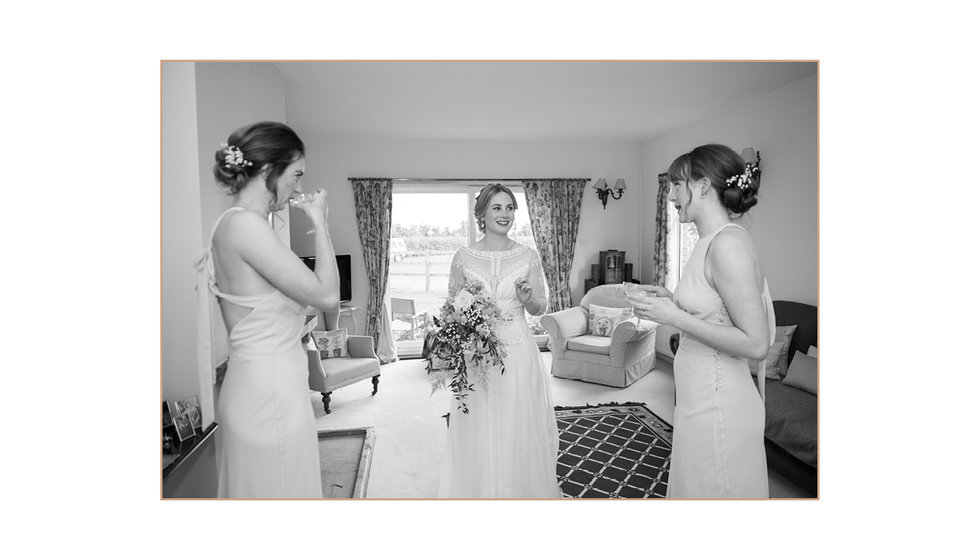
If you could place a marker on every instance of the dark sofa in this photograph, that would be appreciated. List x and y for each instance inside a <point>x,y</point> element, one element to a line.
<point>791,413</point>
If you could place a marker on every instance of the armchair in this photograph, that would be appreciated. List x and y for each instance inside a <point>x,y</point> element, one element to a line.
<point>333,373</point>
<point>617,361</point>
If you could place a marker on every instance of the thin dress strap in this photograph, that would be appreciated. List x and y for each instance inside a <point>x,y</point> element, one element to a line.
<point>243,301</point>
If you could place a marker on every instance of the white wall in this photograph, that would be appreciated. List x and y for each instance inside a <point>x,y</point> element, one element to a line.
<point>783,126</point>
<point>330,161</point>
<point>181,230</point>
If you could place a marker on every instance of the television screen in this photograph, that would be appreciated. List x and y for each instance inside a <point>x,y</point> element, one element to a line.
<point>343,267</point>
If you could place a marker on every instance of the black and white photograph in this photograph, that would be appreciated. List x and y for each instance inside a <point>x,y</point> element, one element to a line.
<point>191,408</point>
<point>466,224</point>
<point>766,208</point>
<point>167,418</point>
<point>185,430</point>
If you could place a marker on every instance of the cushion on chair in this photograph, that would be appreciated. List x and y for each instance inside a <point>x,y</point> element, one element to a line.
<point>590,343</point>
<point>330,344</point>
<point>604,320</point>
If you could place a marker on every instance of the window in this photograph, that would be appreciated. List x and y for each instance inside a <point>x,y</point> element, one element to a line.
<point>681,239</point>
<point>429,223</point>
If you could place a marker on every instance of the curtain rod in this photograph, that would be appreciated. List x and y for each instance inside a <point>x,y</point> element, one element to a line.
<point>467,180</point>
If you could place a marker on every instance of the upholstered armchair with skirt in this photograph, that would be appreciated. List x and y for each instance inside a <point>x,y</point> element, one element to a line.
<point>618,361</point>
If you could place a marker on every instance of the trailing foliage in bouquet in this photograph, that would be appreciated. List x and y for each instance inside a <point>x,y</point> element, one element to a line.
<point>464,347</point>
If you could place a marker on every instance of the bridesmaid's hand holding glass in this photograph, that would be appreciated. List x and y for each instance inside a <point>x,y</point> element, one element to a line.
<point>649,305</point>
<point>314,204</point>
<point>658,291</point>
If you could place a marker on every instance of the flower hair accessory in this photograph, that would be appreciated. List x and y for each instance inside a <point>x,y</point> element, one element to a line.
<point>743,180</point>
<point>234,156</point>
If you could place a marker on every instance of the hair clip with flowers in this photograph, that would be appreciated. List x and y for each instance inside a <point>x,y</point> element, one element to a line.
<point>234,156</point>
<point>744,179</point>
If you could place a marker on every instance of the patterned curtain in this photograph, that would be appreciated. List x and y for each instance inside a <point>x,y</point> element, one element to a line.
<point>555,206</point>
<point>372,206</point>
<point>660,265</point>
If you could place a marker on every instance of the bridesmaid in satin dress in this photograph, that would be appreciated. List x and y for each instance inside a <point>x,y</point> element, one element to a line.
<point>268,440</point>
<point>723,311</point>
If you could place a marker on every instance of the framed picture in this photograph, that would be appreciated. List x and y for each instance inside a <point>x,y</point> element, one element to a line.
<point>173,409</point>
<point>191,408</point>
<point>169,435</point>
<point>168,419</point>
<point>185,430</point>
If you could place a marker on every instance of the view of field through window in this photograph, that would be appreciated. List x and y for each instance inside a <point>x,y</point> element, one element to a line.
<point>427,230</point>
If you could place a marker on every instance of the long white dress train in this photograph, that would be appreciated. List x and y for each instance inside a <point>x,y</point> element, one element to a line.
<point>507,446</point>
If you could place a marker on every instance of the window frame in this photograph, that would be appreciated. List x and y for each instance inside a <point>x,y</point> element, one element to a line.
<point>471,189</point>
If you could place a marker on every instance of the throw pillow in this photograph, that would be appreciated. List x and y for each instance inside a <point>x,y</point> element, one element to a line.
<point>802,373</point>
<point>812,352</point>
<point>777,362</point>
<point>604,320</point>
<point>330,344</point>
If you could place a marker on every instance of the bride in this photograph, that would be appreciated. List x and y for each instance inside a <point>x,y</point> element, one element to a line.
<point>507,445</point>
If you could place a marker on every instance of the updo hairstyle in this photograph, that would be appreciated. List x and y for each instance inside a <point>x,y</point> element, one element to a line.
<point>718,163</point>
<point>483,200</point>
<point>270,147</point>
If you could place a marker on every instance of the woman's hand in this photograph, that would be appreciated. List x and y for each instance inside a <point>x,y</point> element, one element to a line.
<point>523,291</point>
<point>659,309</point>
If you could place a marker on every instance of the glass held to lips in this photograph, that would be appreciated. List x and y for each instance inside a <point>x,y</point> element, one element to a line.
<point>299,197</point>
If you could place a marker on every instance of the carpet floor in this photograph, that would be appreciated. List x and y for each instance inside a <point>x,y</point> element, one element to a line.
<point>411,432</point>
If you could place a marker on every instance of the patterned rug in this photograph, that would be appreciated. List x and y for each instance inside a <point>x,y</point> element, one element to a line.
<point>613,451</point>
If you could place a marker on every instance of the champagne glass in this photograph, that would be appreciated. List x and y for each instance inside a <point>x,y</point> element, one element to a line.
<point>300,197</point>
<point>296,198</point>
<point>631,290</point>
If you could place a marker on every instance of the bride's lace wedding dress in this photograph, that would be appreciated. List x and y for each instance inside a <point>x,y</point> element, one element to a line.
<point>507,446</point>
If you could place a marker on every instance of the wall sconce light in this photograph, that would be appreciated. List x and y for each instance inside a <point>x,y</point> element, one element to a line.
<point>603,193</point>
<point>753,159</point>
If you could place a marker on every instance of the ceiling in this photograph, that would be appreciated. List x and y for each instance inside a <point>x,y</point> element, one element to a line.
<point>520,100</point>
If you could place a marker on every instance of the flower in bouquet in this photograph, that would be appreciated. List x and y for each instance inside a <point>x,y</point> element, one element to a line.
<point>464,347</point>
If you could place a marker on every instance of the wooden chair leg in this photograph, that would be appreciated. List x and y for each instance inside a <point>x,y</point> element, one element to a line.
<point>326,402</point>
<point>374,381</point>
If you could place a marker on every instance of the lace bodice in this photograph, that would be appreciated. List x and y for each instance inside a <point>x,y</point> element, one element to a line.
<point>499,271</point>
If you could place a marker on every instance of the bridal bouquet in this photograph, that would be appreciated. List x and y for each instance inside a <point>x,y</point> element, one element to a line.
<point>464,347</point>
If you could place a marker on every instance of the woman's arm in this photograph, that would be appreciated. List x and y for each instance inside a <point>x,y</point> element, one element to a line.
<point>733,274</point>
<point>538,302</point>
<point>261,249</point>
